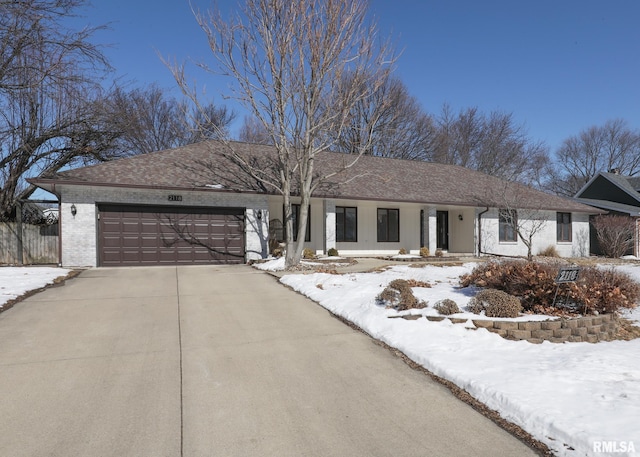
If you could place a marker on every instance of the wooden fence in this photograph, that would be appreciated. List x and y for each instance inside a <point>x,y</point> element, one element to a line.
<point>39,244</point>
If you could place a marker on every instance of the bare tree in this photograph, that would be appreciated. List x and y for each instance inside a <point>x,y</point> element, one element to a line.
<point>252,131</point>
<point>526,223</point>
<point>49,84</point>
<point>615,234</point>
<point>493,144</point>
<point>403,129</point>
<point>299,68</point>
<point>149,120</point>
<point>599,148</point>
<point>210,122</point>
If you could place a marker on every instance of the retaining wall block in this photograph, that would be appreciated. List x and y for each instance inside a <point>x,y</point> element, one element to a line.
<point>595,329</point>
<point>543,334</point>
<point>562,333</point>
<point>569,323</point>
<point>528,325</point>
<point>504,325</point>
<point>558,340</point>
<point>483,323</point>
<point>519,334</point>
<point>583,322</point>
<point>550,325</point>
<point>499,331</point>
<point>580,331</point>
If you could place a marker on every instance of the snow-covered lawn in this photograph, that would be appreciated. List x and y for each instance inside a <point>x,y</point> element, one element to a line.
<point>15,281</point>
<point>577,398</point>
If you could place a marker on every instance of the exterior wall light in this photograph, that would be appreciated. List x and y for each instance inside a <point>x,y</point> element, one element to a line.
<point>74,210</point>
<point>460,217</point>
<point>259,214</point>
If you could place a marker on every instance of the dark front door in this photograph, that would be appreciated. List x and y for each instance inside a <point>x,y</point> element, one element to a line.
<point>442,230</point>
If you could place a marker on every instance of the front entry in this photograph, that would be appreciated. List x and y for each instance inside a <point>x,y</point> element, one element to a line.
<point>442,230</point>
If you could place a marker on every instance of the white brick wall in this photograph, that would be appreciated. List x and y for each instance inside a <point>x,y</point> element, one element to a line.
<point>79,234</point>
<point>547,236</point>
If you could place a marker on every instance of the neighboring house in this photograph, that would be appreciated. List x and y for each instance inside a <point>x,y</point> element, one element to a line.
<point>189,205</point>
<point>615,194</point>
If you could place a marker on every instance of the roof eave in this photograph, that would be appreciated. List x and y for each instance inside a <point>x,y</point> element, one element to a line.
<point>44,183</point>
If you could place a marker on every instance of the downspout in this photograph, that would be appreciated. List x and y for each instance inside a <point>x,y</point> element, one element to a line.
<point>480,231</point>
<point>53,191</point>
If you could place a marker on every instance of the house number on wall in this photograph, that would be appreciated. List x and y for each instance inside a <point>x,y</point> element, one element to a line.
<point>175,198</point>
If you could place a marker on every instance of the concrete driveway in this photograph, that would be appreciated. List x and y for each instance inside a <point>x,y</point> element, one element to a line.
<point>214,361</point>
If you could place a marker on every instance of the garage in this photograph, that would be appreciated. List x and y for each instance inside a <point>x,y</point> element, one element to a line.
<point>134,235</point>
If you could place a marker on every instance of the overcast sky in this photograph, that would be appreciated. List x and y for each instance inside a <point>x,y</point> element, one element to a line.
<point>559,66</point>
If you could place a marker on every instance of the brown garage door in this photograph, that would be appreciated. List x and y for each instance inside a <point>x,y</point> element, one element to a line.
<point>156,235</point>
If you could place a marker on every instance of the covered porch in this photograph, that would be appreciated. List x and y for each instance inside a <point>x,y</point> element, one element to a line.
<point>381,228</point>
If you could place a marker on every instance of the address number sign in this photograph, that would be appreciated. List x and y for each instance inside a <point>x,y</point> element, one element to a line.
<point>567,275</point>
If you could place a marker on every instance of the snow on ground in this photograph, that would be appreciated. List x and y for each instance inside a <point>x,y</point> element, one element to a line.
<point>15,281</point>
<point>577,398</point>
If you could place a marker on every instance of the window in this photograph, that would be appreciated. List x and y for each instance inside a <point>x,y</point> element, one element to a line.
<point>346,223</point>
<point>508,220</point>
<point>564,226</point>
<point>296,217</point>
<point>388,225</point>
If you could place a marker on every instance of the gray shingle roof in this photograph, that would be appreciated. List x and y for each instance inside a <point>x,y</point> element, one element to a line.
<point>371,178</point>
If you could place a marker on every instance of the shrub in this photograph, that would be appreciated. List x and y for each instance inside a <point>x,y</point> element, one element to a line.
<point>389,295</point>
<point>416,283</point>
<point>604,290</point>
<point>595,291</point>
<point>333,252</point>
<point>424,251</point>
<point>497,303</point>
<point>402,251</point>
<point>475,306</point>
<point>549,251</point>
<point>308,254</point>
<point>439,253</point>
<point>399,284</point>
<point>615,234</point>
<point>277,252</point>
<point>446,307</point>
<point>398,295</point>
